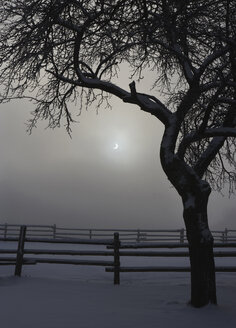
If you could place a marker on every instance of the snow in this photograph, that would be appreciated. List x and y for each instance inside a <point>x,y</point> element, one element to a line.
<point>70,296</point>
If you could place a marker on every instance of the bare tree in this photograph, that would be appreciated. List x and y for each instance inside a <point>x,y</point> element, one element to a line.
<point>57,52</point>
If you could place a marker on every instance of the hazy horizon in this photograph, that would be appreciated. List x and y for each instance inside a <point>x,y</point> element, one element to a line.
<point>84,182</point>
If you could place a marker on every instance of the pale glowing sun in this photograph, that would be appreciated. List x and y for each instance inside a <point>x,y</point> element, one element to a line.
<point>116,146</point>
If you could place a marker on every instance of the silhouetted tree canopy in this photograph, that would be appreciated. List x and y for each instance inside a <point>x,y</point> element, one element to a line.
<point>61,51</point>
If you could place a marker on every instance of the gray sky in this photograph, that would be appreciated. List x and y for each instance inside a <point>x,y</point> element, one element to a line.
<point>48,178</point>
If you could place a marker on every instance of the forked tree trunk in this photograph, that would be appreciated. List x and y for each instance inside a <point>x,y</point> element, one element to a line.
<point>203,285</point>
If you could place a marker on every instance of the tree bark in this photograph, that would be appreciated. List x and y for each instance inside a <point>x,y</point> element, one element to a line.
<point>203,285</point>
<point>195,194</point>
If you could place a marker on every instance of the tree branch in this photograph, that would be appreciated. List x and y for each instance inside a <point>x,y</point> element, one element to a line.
<point>211,58</point>
<point>208,133</point>
<point>209,154</point>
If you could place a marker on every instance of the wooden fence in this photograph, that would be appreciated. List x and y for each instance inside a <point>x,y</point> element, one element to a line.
<point>115,249</point>
<point>185,253</point>
<point>129,235</point>
<point>20,259</point>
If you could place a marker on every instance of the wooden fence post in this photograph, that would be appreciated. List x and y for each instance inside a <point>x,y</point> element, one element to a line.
<point>138,235</point>
<point>182,236</point>
<point>116,259</point>
<point>223,237</point>
<point>54,228</point>
<point>226,235</point>
<point>5,231</point>
<point>20,251</point>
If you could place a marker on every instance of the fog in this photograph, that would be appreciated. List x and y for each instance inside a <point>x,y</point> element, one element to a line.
<point>83,182</point>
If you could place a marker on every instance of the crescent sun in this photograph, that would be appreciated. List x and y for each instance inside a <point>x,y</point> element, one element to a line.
<point>116,146</point>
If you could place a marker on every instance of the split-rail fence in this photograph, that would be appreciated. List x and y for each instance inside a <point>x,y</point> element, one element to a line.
<point>115,249</point>
<point>129,235</point>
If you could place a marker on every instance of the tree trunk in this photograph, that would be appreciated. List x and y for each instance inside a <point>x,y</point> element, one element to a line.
<point>203,286</point>
<point>195,194</point>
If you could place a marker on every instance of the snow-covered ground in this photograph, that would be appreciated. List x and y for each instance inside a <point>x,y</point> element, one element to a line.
<point>69,296</point>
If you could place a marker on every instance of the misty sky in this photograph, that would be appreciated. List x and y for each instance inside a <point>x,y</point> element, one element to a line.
<point>84,182</point>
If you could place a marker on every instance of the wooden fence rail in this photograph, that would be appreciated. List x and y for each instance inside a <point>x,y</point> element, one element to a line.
<point>53,231</point>
<point>131,235</point>
<point>115,248</point>
<point>159,245</point>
